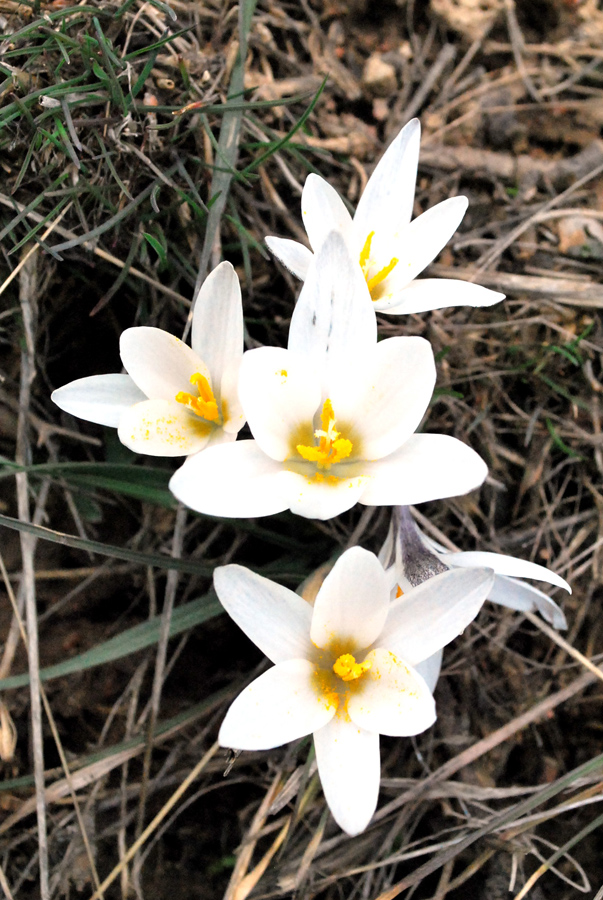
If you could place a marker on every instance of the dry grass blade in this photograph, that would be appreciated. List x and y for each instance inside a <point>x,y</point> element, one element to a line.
<point>228,148</point>
<point>28,297</point>
<point>239,873</point>
<point>248,883</point>
<point>496,823</point>
<point>196,771</point>
<point>71,786</point>
<point>468,756</point>
<point>4,885</point>
<point>160,659</point>
<point>584,832</point>
<point>27,256</point>
<point>561,642</point>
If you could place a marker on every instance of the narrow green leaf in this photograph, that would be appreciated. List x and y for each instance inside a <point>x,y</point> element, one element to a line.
<point>157,246</point>
<point>158,560</point>
<point>559,389</point>
<point>284,141</point>
<point>559,442</point>
<point>133,639</point>
<point>163,728</point>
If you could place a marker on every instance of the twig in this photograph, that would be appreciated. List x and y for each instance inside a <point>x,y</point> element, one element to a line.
<point>444,57</point>
<point>569,291</point>
<point>515,168</point>
<point>27,296</point>
<point>517,44</point>
<point>501,245</point>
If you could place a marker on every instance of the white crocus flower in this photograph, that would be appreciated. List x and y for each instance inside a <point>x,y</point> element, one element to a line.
<point>390,249</point>
<point>333,416</point>
<point>175,400</point>
<point>414,557</point>
<point>344,669</point>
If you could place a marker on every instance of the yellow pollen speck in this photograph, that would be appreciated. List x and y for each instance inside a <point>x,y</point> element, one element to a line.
<point>325,691</point>
<point>346,667</point>
<point>205,404</point>
<point>331,447</point>
<point>319,477</point>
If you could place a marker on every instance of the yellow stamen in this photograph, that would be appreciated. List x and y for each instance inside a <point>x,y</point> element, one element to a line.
<point>366,262</point>
<point>365,253</point>
<point>205,404</point>
<point>399,592</point>
<point>348,669</point>
<point>331,447</point>
<point>382,274</point>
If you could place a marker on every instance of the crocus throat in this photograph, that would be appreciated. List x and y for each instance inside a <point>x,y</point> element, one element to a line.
<point>346,667</point>
<point>331,447</point>
<point>366,264</point>
<point>205,404</point>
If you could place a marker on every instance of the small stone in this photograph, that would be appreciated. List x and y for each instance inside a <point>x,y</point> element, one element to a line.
<point>380,109</point>
<point>379,77</point>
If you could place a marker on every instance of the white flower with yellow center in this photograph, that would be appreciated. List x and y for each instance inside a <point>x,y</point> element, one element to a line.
<point>175,400</point>
<point>390,249</point>
<point>344,670</point>
<point>333,416</point>
<point>414,558</point>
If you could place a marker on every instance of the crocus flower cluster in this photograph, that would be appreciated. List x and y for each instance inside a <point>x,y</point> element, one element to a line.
<point>335,419</point>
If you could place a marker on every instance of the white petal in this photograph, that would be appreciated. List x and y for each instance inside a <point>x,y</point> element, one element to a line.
<point>436,293</point>
<point>280,706</point>
<point>280,395</point>
<point>217,332</point>
<point>230,402</point>
<point>429,669</point>
<point>163,428</point>
<point>505,565</point>
<point>388,198</point>
<point>416,245</point>
<point>272,616</point>
<point>160,363</point>
<point>293,255</point>
<point>352,605</point>
<point>383,397</point>
<point>519,595</point>
<point>391,698</point>
<point>349,767</point>
<point>426,467</point>
<point>333,322</point>
<point>220,436</point>
<point>99,398</point>
<point>323,211</point>
<point>431,615</point>
<point>233,480</point>
<point>324,499</point>
<point>387,553</point>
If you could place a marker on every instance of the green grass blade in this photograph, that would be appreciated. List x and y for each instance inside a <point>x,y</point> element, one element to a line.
<point>137,638</point>
<point>158,560</point>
